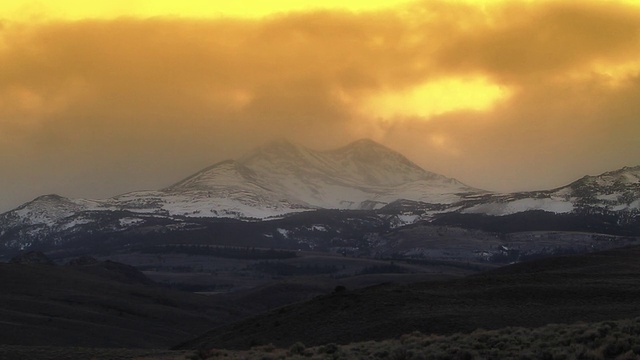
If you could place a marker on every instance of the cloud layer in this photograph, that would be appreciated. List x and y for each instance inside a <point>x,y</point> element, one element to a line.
<point>97,107</point>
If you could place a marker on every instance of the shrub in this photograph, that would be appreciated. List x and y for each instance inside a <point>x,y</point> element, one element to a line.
<point>265,348</point>
<point>614,347</point>
<point>297,349</point>
<point>465,355</point>
<point>330,348</point>
<point>629,355</point>
<point>400,353</point>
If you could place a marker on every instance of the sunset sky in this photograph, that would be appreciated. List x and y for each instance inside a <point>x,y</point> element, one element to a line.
<point>98,100</point>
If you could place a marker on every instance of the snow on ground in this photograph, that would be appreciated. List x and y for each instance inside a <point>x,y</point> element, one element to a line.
<point>608,197</point>
<point>317,227</point>
<point>284,232</point>
<point>129,221</point>
<point>76,222</point>
<point>408,219</point>
<point>511,207</point>
<point>634,205</point>
<point>402,220</point>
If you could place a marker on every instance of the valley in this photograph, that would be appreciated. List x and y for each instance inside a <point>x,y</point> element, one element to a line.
<point>557,306</point>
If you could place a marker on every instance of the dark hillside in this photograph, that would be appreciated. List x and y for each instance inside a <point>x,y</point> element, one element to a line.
<point>602,222</point>
<point>61,306</point>
<point>595,287</point>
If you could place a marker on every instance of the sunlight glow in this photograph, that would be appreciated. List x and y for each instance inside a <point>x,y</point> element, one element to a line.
<point>41,10</point>
<point>437,97</point>
<point>75,10</point>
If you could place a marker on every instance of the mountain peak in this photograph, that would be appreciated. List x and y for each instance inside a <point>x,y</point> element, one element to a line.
<point>362,163</point>
<point>628,175</point>
<point>365,143</point>
<point>50,198</point>
<point>625,170</point>
<point>342,178</point>
<point>381,165</point>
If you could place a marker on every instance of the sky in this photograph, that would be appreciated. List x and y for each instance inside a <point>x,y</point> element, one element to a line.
<point>102,98</point>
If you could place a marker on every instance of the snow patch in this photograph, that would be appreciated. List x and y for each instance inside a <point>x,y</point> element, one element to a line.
<point>129,221</point>
<point>76,222</point>
<point>284,232</point>
<point>512,207</point>
<point>319,228</point>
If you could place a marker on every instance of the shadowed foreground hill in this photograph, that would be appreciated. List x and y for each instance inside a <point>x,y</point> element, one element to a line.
<point>593,287</point>
<point>91,303</point>
<point>96,305</point>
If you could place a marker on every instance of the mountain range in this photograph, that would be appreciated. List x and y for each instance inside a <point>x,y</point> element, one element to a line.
<point>280,179</point>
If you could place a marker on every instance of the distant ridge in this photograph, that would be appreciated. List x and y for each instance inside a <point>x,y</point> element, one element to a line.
<point>31,258</point>
<point>280,179</point>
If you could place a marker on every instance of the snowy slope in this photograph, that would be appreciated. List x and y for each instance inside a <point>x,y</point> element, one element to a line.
<point>351,177</point>
<point>46,210</point>
<point>614,191</point>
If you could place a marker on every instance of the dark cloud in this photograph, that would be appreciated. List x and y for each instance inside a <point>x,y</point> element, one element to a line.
<point>524,39</point>
<point>93,108</point>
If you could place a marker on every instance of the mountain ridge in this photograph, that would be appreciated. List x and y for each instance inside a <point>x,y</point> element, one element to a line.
<point>618,185</point>
<point>350,177</point>
<point>280,179</point>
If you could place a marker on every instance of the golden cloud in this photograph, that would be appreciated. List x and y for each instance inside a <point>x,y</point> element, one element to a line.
<point>504,85</point>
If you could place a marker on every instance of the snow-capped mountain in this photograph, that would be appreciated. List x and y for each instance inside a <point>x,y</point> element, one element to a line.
<point>281,178</point>
<point>274,180</point>
<point>361,175</point>
<point>615,191</point>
